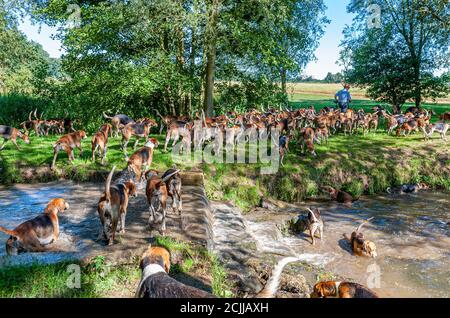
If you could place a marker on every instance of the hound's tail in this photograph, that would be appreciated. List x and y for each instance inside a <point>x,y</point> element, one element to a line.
<point>362,224</point>
<point>313,215</point>
<point>9,232</point>
<point>108,185</point>
<point>272,284</point>
<point>106,116</point>
<point>204,118</point>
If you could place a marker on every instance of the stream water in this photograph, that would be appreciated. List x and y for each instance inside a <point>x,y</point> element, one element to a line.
<point>411,233</point>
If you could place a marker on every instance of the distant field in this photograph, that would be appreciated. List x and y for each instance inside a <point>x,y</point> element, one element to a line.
<point>321,91</point>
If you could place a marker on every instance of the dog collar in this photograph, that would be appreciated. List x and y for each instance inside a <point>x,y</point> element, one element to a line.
<point>151,269</point>
<point>148,271</point>
<point>337,284</point>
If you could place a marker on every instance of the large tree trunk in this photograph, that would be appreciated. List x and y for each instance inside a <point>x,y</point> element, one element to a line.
<point>209,82</point>
<point>211,50</point>
<point>180,62</point>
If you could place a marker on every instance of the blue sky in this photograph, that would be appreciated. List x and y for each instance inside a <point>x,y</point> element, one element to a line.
<point>327,54</point>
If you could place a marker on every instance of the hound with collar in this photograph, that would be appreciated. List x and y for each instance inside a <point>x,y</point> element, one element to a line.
<point>36,234</point>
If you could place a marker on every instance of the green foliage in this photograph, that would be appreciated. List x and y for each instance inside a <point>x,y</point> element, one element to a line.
<point>135,57</point>
<point>25,67</point>
<point>333,78</point>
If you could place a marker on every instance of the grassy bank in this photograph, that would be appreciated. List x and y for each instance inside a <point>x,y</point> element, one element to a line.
<point>356,164</point>
<point>100,279</point>
<point>359,164</point>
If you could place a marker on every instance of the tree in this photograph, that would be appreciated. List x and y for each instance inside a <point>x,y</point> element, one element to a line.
<point>25,67</point>
<point>406,51</point>
<point>333,78</point>
<point>181,56</point>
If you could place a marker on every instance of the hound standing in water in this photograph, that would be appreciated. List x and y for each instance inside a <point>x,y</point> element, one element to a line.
<point>112,207</point>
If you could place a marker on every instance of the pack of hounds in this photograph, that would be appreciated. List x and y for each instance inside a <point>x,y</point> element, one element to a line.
<point>38,234</point>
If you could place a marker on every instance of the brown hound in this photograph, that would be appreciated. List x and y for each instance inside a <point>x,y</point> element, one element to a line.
<point>361,246</point>
<point>100,141</point>
<point>157,193</point>
<point>142,159</point>
<point>339,196</point>
<point>139,130</point>
<point>118,121</point>
<point>112,207</point>
<point>341,290</point>
<point>68,143</point>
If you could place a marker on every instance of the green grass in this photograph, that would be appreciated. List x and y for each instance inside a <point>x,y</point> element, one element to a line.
<point>325,91</point>
<point>39,153</point>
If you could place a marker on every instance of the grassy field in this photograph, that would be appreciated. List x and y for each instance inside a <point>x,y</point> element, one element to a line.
<point>100,279</point>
